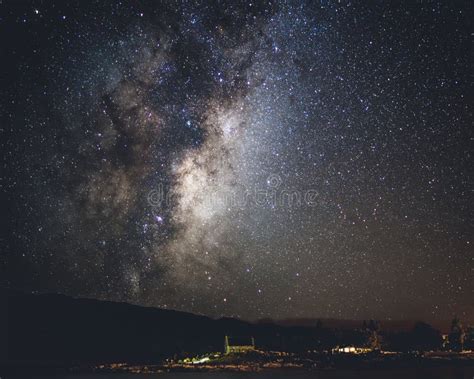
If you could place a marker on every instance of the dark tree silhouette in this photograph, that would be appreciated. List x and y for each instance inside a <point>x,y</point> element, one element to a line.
<point>456,336</point>
<point>374,339</point>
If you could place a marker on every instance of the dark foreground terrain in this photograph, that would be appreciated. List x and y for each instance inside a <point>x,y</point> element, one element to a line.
<point>60,336</point>
<point>419,373</point>
<point>60,330</point>
<point>393,373</point>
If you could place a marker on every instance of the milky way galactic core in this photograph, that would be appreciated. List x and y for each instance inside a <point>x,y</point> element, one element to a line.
<point>247,159</point>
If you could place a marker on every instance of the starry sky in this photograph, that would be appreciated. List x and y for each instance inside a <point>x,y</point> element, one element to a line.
<point>250,159</point>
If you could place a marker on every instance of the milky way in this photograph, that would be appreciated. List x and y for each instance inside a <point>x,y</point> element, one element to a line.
<point>255,160</point>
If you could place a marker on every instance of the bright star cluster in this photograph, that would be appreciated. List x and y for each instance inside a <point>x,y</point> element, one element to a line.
<point>162,153</point>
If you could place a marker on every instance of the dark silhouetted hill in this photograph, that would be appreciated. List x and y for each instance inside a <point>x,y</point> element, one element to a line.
<point>59,329</point>
<point>51,329</point>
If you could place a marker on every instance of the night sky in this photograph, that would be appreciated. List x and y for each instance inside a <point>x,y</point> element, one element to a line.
<point>254,159</point>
